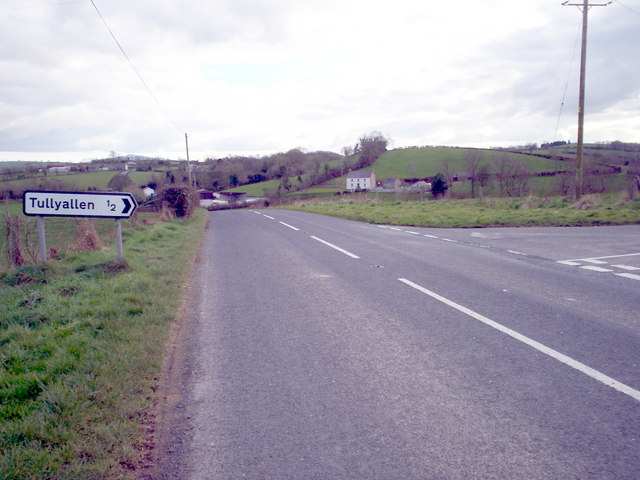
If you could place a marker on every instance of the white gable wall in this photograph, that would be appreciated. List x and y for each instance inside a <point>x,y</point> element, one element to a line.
<point>360,183</point>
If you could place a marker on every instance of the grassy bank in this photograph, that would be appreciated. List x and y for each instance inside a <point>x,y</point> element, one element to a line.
<point>81,346</point>
<point>592,210</point>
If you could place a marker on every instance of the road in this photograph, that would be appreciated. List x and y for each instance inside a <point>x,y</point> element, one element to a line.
<point>320,348</point>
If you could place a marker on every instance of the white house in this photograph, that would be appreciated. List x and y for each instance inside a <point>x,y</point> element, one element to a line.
<point>57,169</point>
<point>361,180</point>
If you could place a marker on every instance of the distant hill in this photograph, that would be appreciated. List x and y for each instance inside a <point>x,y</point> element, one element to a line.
<point>427,161</point>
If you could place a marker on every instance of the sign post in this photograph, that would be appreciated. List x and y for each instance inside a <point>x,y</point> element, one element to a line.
<point>43,240</point>
<point>78,204</point>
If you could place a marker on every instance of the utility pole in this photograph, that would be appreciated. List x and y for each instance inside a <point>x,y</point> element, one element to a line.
<point>186,141</point>
<point>584,6</point>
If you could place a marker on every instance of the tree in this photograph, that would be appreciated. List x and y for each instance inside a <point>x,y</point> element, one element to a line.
<point>348,151</point>
<point>233,180</point>
<point>119,182</point>
<point>370,147</point>
<point>439,186</point>
<point>473,168</point>
<point>513,176</point>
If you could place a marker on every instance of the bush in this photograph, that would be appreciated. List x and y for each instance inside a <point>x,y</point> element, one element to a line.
<point>181,200</point>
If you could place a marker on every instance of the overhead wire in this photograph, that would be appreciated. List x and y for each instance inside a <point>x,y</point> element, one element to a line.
<point>144,84</point>
<point>637,12</point>
<point>566,86</point>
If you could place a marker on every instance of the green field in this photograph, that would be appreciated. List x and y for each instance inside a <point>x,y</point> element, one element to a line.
<point>256,189</point>
<point>81,181</point>
<point>370,208</point>
<point>426,162</point>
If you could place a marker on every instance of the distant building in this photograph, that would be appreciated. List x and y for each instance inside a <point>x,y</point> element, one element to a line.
<point>205,194</point>
<point>391,183</point>
<point>60,168</point>
<point>420,187</point>
<point>233,197</point>
<point>361,180</point>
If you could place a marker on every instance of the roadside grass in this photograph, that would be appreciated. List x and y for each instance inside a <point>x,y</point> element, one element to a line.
<point>81,347</point>
<point>489,212</point>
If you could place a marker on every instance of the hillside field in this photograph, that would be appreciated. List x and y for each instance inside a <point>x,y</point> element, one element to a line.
<point>427,161</point>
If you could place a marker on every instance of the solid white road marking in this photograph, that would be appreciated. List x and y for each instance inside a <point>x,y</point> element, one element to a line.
<point>571,263</point>
<point>626,267</point>
<point>629,275</point>
<point>581,367</point>
<point>619,256</point>
<point>594,260</point>
<point>596,269</point>
<point>349,254</point>
<point>290,226</point>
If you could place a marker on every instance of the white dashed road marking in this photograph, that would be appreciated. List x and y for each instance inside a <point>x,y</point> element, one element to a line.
<point>335,247</point>
<point>606,267</point>
<point>626,267</point>
<point>290,226</point>
<point>629,275</point>
<point>596,269</point>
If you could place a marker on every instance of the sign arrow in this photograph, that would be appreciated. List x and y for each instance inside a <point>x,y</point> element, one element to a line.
<point>127,206</point>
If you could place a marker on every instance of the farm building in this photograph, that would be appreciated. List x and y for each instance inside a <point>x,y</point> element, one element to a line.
<point>361,180</point>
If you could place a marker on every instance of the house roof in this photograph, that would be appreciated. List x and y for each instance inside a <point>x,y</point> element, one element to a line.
<point>361,174</point>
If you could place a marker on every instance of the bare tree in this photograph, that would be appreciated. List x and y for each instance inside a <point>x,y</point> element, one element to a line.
<point>565,183</point>
<point>447,174</point>
<point>513,176</point>
<point>348,151</point>
<point>473,161</point>
<point>484,178</point>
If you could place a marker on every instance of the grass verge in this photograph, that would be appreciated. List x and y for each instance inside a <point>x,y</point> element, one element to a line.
<point>81,347</point>
<point>592,210</point>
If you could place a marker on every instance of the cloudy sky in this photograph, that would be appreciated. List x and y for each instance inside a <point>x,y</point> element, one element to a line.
<point>262,76</point>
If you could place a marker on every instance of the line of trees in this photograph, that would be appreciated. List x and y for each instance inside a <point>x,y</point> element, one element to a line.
<point>310,168</point>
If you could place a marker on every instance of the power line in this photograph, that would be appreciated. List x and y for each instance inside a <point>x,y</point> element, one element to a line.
<point>566,86</point>
<point>144,84</point>
<point>637,12</point>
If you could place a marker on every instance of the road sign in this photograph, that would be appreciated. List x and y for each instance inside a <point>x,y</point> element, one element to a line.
<point>78,204</point>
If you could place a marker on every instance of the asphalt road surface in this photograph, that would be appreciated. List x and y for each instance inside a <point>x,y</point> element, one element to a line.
<point>320,348</point>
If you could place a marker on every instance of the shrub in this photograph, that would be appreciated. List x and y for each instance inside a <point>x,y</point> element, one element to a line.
<point>181,200</point>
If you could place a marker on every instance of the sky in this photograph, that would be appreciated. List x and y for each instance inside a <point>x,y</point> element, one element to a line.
<point>256,77</point>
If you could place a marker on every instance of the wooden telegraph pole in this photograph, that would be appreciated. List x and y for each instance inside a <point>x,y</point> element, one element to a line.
<point>186,141</point>
<point>584,6</point>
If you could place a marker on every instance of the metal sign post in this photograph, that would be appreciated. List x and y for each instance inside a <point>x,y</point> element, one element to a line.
<point>43,240</point>
<point>78,204</point>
